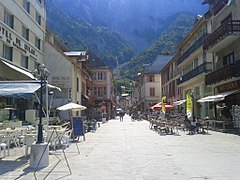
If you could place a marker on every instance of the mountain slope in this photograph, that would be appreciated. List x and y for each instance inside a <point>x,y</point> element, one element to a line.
<point>138,21</point>
<point>166,44</point>
<point>79,35</point>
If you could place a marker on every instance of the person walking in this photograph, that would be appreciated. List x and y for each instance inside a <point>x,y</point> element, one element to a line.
<point>121,114</point>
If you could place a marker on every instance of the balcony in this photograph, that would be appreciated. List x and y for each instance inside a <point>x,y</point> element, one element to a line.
<point>231,27</point>
<point>193,48</point>
<point>203,68</point>
<point>220,4</point>
<point>222,74</point>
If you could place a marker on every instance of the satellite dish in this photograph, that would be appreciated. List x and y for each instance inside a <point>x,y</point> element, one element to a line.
<point>229,2</point>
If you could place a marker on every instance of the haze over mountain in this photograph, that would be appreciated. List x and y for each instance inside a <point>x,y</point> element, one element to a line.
<point>115,29</point>
<point>139,21</point>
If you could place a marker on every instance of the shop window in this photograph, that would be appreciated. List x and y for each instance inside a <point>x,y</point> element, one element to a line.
<point>8,19</point>
<point>7,52</point>
<point>25,33</point>
<point>24,61</point>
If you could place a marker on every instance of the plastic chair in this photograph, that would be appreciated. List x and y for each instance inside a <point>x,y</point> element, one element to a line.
<point>29,140</point>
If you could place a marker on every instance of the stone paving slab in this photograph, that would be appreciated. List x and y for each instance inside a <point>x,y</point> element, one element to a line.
<point>130,150</point>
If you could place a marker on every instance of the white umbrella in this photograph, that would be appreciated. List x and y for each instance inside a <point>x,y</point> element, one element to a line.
<point>72,106</point>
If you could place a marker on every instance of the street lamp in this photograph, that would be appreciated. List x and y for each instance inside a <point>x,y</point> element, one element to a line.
<point>192,97</point>
<point>42,73</point>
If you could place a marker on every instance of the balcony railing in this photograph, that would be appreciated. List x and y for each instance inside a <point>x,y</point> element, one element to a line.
<point>193,48</point>
<point>203,68</point>
<point>222,74</point>
<point>227,28</point>
<point>220,4</point>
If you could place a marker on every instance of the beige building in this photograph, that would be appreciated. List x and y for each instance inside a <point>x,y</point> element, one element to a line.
<point>103,87</point>
<point>22,34</point>
<point>169,76</point>
<point>151,89</point>
<point>224,44</point>
<point>67,71</point>
<point>193,63</point>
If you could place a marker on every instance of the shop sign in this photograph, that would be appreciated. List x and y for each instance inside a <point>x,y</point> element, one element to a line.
<point>7,36</point>
<point>61,81</point>
<point>229,86</point>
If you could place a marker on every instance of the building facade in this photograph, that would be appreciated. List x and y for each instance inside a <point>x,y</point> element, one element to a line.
<point>22,32</point>
<point>224,44</point>
<point>193,63</point>
<point>103,87</point>
<point>22,35</point>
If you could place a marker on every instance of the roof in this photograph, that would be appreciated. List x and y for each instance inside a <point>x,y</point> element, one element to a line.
<point>95,62</point>
<point>158,64</point>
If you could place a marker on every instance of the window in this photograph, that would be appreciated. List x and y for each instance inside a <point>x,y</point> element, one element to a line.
<point>24,61</point>
<point>100,91</point>
<point>7,52</point>
<point>83,88</point>
<point>152,91</point>
<point>151,78</point>
<point>37,43</point>
<point>25,33</point>
<point>77,84</point>
<point>38,18</point>
<point>228,59</point>
<point>26,5</point>
<point>101,76</point>
<point>8,19</point>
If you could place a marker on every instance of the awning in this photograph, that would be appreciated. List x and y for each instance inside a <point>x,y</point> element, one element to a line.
<point>177,103</point>
<point>18,70</point>
<point>72,106</point>
<point>18,89</point>
<point>54,87</point>
<point>217,97</point>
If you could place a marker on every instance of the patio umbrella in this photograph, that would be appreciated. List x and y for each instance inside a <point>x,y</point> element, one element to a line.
<point>72,106</point>
<point>159,105</point>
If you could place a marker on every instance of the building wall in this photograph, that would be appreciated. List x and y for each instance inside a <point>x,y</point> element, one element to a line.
<point>13,37</point>
<point>60,69</point>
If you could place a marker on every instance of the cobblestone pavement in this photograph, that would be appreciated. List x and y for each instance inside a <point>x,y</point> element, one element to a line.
<point>131,151</point>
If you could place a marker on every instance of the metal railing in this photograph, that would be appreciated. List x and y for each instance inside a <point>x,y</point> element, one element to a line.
<point>193,48</point>
<point>227,28</point>
<point>222,74</point>
<point>203,68</point>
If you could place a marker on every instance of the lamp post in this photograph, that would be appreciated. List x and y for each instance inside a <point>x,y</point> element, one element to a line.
<point>42,73</point>
<point>192,97</point>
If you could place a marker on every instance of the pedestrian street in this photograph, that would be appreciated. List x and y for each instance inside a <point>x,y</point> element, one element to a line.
<point>129,150</point>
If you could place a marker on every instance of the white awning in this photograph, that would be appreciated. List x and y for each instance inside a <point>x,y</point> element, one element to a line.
<point>22,71</point>
<point>18,89</point>
<point>217,97</point>
<point>54,87</point>
<point>72,106</point>
<point>177,103</point>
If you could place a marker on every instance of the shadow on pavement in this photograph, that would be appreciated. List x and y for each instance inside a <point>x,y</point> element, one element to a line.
<point>8,166</point>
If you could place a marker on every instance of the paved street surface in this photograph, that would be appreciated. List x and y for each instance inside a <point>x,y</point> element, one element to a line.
<point>131,151</point>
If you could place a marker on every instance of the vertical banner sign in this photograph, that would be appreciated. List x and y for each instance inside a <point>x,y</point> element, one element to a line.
<point>189,104</point>
<point>163,105</point>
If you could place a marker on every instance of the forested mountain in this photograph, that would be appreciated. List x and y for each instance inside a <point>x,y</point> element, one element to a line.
<point>167,43</point>
<point>115,30</point>
<point>80,35</point>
